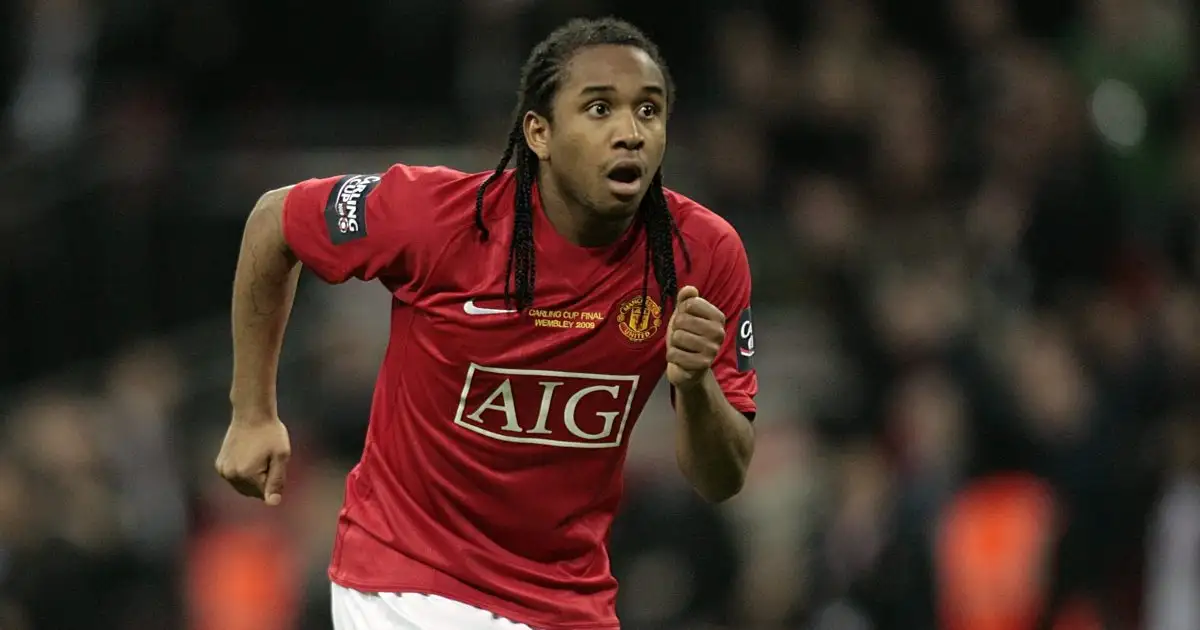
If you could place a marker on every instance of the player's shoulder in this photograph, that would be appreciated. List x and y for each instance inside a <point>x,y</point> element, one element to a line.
<point>445,194</point>
<point>699,225</point>
<point>415,178</point>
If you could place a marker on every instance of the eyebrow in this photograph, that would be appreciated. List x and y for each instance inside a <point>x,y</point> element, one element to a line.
<point>656,90</point>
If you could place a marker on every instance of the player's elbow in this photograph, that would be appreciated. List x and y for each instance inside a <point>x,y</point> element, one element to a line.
<point>717,471</point>
<point>716,484</point>
<point>722,488</point>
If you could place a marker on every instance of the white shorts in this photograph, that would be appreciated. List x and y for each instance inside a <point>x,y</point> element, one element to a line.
<point>355,610</point>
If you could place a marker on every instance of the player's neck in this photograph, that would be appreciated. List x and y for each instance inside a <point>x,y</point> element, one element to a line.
<point>574,221</point>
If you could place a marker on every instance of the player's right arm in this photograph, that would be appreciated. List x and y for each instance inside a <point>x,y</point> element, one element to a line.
<point>256,448</point>
<point>340,228</point>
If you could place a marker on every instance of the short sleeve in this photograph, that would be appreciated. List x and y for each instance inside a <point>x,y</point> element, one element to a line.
<point>350,226</point>
<point>727,286</point>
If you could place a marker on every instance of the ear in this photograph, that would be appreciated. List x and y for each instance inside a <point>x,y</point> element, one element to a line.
<point>537,134</point>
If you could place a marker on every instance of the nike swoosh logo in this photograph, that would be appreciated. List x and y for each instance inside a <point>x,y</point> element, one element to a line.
<point>470,309</point>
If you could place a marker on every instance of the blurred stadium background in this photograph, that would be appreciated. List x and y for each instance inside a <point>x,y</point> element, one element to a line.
<point>974,227</point>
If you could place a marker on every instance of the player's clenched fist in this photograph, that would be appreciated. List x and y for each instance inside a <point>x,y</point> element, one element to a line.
<point>694,337</point>
<point>254,456</point>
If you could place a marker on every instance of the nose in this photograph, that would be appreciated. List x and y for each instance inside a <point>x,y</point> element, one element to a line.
<point>629,135</point>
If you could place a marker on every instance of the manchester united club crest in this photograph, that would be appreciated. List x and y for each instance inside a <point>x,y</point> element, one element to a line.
<point>639,321</point>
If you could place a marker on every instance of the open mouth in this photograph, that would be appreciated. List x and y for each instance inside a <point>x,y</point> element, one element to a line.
<point>625,179</point>
<point>625,174</point>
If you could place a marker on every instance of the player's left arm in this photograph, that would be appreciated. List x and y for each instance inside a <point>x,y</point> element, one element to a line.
<point>710,345</point>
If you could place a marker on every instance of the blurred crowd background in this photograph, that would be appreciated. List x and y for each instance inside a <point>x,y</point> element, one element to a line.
<point>974,227</point>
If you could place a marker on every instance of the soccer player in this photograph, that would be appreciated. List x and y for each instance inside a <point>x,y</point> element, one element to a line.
<point>534,310</point>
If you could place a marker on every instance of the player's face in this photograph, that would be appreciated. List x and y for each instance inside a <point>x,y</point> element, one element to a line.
<point>609,129</point>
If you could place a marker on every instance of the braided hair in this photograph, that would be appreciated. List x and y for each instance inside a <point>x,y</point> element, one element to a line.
<point>541,78</point>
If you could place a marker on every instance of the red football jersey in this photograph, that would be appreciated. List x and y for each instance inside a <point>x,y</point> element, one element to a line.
<point>493,461</point>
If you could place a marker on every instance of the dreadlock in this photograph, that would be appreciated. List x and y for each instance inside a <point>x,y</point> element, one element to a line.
<point>540,80</point>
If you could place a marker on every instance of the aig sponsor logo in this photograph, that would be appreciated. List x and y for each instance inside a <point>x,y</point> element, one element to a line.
<point>565,409</point>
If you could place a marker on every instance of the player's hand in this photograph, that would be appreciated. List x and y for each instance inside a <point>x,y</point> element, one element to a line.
<point>694,337</point>
<point>254,455</point>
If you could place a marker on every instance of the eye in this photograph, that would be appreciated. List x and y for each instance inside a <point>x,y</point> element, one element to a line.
<point>599,109</point>
<point>648,110</point>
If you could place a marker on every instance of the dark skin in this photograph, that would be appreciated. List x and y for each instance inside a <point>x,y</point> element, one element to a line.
<point>255,452</point>
<point>610,111</point>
